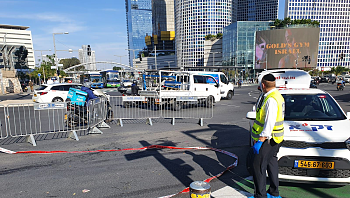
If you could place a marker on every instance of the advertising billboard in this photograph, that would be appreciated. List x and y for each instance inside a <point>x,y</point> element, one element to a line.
<point>287,48</point>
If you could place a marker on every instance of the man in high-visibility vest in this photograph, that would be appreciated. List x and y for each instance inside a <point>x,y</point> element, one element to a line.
<point>267,133</point>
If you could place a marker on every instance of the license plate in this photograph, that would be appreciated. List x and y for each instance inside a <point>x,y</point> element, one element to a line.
<point>313,164</point>
<point>65,117</point>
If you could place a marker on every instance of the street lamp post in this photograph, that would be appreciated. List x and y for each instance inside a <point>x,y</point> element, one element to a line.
<point>41,58</point>
<point>54,44</point>
<point>169,63</point>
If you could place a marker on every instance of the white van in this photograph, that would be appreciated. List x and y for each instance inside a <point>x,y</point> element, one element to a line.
<point>171,84</point>
<point>226,87</point>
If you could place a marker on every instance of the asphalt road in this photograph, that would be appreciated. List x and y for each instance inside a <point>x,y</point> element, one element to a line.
<point>146,173</point>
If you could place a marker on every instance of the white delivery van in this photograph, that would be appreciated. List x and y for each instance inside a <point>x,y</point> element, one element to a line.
<point>169,85</point>
<point>316,146</point>
<point>226,87</point>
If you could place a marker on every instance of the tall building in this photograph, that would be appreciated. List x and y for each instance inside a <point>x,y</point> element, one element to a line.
<point>257,10</point>
<point>12,37</point>
<point>86,55</point>
<point>162,16</point>
<point>334,19</point>
<point>238,48</point>
<point>139,25</point>
<point>193,21</point>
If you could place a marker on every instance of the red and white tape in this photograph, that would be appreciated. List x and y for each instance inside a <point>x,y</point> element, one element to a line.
<point>142,148</point>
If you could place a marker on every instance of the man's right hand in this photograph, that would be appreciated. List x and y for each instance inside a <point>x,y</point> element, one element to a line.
<point>257,147</point>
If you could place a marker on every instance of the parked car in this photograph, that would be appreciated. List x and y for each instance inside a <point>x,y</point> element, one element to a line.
<point>53,92</point>
<point>347,78</point>
<point>316,138</point>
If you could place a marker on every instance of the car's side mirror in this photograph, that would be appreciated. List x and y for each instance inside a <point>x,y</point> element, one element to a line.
<point>251,115</point>
<point>217,85</point>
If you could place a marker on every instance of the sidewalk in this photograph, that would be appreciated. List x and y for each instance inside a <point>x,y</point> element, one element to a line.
<point>229,192</point>
<point>6,102</point>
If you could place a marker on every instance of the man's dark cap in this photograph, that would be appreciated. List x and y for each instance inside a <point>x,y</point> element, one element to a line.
<point>269,77</point>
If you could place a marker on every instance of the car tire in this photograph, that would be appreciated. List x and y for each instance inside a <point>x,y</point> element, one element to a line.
<point>229,95</point>
<point>57,99</point>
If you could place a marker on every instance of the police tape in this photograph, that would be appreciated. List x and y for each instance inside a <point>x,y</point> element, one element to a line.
<point>186,190</point>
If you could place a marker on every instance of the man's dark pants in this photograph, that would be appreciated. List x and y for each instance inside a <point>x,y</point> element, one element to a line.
<point>266,160</point>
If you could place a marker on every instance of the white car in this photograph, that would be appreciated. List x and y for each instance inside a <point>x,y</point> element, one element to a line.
<point>127,83</point>
<point>53,92</point>
<point>347,78</point>
<point>316,145</point>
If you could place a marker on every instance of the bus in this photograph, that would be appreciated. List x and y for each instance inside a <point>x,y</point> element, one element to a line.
<point>110,78</point>
<point>92,80</point>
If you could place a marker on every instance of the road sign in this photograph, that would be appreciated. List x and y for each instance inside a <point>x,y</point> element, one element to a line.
<point>44,106</point>
<point>39,74</point>
<point>53,67</point>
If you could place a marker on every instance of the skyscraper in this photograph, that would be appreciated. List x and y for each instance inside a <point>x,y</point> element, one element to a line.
<point>87,56</point>
<point>139,24</point>
<point>194,19</point>
<point>257,10</point>
<point>334,19</point>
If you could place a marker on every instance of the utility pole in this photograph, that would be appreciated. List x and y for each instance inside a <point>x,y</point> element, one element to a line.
<point>155,56</point>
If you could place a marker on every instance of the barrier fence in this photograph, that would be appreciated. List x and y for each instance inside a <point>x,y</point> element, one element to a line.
<point>148,107</point>
<point>27,120</point>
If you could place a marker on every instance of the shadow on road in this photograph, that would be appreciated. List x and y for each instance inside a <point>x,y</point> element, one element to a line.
<point>177,167</point>
<point>231,138</point>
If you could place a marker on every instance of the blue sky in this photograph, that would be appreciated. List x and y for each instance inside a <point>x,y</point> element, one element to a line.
<point>101,24</point>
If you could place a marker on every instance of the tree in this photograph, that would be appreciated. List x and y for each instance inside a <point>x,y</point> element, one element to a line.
<point>287,21</point>
<point>117,68</point>
<point>45,66</point>
<point>338,70</point>
<point>21,54</point>
<point>219,35</point>
<point>69,62</point>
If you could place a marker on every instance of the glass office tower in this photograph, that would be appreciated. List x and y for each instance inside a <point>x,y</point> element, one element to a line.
<point>139,25</point>
<point>238,46</point>
<point>334,18</point>
<point>194,19</point>
<point>257,10</point>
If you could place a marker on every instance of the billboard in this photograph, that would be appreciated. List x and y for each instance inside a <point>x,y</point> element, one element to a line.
<point>287,48</point>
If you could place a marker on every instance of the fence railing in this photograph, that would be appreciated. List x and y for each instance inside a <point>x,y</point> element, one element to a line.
<point>148,107</point>
<point>27,120</point>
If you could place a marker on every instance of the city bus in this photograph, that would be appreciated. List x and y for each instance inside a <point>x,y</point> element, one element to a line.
<point>111,78</point>
<point>92,80</point>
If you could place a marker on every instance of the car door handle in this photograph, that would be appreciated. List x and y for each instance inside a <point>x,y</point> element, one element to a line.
<point>206,89</point>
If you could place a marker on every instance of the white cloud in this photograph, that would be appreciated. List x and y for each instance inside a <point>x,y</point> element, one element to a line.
<point>51,17</point>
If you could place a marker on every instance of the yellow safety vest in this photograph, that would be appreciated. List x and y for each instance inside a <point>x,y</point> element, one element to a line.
<point>278,129</point>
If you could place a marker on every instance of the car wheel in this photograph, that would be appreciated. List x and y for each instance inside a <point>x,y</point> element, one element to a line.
<point>57,99</point>
<point>229,95</point>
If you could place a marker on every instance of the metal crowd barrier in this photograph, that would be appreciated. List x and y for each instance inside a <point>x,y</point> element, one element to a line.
<point>149,107</point>
<point>97,114</point>
<point>27,120</point>
<point>3,125</point>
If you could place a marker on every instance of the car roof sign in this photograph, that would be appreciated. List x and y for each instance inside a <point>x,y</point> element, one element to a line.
<point>289,78</point>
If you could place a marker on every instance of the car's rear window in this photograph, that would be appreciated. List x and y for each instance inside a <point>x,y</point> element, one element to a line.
<point>42,87</point>
<point>311,107</point>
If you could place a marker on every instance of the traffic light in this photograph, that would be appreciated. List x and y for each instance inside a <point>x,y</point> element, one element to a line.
<point>309,60</point>
<point>58,71</point>
<point>89,50</point>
